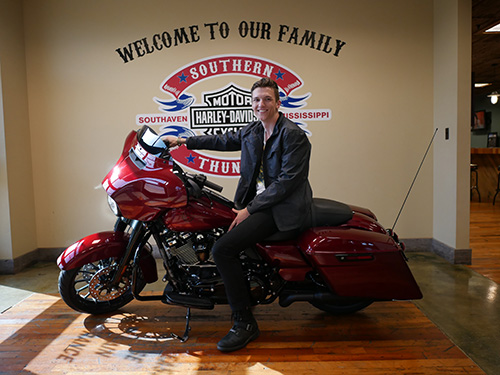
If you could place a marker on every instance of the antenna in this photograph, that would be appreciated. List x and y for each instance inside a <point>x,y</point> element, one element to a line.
<point>414,179</point>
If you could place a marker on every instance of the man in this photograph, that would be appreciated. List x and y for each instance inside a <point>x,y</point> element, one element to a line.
<point>273,194</point>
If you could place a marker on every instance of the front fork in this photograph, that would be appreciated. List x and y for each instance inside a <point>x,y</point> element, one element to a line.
<point>121,224</point>
<point>138,238</point>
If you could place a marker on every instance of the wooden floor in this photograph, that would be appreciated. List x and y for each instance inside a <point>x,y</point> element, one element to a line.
<point>485,239</point>
<point>41,335</point>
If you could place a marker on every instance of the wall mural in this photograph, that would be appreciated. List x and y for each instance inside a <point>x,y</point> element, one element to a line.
<point>226,108</point>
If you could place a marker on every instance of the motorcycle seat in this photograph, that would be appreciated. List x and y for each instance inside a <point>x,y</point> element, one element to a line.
<point>324,213</point>
<point>330,213</point>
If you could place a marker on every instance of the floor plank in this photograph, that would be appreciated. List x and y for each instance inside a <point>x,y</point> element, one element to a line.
<point>485,239</point>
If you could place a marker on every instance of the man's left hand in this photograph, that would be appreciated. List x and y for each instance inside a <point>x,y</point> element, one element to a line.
<point>241,215</point>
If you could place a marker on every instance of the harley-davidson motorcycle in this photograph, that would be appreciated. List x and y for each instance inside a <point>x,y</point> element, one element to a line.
<point>344,261</point>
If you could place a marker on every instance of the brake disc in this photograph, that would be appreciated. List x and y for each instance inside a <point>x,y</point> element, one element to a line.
<point>103,292</point>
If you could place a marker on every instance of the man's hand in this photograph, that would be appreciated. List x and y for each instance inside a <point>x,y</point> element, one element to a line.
<point>240,216</point>
<point>173,141</point>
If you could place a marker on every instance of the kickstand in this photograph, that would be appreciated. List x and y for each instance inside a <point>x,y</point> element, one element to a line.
<point>184,337</point>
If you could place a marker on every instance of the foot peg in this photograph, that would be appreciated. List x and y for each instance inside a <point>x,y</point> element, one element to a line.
<point>175,298</point>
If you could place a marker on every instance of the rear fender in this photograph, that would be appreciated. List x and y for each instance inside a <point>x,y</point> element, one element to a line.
<point>104,245</point>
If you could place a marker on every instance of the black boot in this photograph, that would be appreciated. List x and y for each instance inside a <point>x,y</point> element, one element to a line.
<point>245,329</point>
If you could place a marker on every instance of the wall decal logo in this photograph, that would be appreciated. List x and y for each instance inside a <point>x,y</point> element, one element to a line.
<point>228,108</point>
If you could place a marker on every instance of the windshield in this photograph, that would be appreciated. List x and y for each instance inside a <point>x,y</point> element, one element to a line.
<point>151,142</point>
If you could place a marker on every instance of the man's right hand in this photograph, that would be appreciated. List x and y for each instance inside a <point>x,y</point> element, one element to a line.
<point>173,141</point>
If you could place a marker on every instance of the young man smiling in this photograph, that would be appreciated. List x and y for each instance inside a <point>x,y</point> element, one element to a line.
<point>273,194</point>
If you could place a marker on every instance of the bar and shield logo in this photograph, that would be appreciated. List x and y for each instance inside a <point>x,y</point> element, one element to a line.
<point>224,110</point>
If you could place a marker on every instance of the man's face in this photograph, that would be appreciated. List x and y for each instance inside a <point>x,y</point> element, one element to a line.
<point>264,103</point>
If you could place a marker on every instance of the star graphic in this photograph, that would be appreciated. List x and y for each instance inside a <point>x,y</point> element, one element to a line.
<point>280,74</point>
<point>182,78</point>
<point>190,158</point>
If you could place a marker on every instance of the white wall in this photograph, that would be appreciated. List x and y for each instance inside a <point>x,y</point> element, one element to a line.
<point>452,110</point>
<point>83,99</point>
<point>17,205</point>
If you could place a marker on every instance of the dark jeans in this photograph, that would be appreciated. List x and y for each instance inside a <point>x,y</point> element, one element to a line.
<point>253,229</point>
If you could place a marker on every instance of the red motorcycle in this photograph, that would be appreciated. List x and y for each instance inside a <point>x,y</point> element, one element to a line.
<point>340,264</point>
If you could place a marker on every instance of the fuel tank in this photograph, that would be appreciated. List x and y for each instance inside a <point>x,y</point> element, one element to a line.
<point>199,214</point>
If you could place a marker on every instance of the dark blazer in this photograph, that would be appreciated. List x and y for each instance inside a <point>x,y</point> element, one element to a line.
<point>286,167</point>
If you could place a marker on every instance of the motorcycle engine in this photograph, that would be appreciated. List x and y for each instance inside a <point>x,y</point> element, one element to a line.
<point>194,255</point>
<point>192,248</point>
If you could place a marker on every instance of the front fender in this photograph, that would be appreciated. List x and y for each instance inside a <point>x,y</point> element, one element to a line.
<point>92,248</point>
<point>104,245</point>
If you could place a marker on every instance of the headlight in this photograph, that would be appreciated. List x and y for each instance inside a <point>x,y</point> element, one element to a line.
<point>114,207</point>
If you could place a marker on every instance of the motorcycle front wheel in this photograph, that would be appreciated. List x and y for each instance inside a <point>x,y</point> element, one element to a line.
<point>342,307</point>
<point>86,288</point>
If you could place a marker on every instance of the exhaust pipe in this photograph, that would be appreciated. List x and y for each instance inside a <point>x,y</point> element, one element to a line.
<point>287,299</point>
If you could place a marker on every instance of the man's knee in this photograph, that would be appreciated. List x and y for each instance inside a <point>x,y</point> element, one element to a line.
<point>225,249</point>
<point>219,251</point>
<point>216,251</point>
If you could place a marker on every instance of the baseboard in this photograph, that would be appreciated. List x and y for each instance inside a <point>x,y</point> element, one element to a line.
<point>12,266</point>
<point>418,244</point>
<point>452,255</point>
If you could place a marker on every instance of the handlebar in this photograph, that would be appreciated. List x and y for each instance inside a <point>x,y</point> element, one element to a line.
<point>201,181</point>
<point>213,186</point>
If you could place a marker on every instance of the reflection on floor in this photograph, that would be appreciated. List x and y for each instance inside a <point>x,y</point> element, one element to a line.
<point>463,304</point>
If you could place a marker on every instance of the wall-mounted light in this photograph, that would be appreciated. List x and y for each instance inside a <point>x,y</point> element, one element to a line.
<point>494,97</point>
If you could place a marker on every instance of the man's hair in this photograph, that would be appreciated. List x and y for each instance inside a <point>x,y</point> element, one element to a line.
<point>267,82</point>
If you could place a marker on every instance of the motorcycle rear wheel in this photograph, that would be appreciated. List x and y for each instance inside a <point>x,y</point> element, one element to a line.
<point>342,307</point>
<point>84,288</point>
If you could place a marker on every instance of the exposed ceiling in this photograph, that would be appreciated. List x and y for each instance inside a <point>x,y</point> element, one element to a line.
<point>485,47</point>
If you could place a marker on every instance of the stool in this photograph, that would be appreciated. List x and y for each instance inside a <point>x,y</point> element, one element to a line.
<point>473,172</point>
<point>498,186</point>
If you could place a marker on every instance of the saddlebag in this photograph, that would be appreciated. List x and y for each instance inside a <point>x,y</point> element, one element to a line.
<point>356,262</point>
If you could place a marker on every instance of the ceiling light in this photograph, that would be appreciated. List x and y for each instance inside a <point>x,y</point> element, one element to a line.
<point>479,85</point>
<point>494,29</point>
<point>494,97</point>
